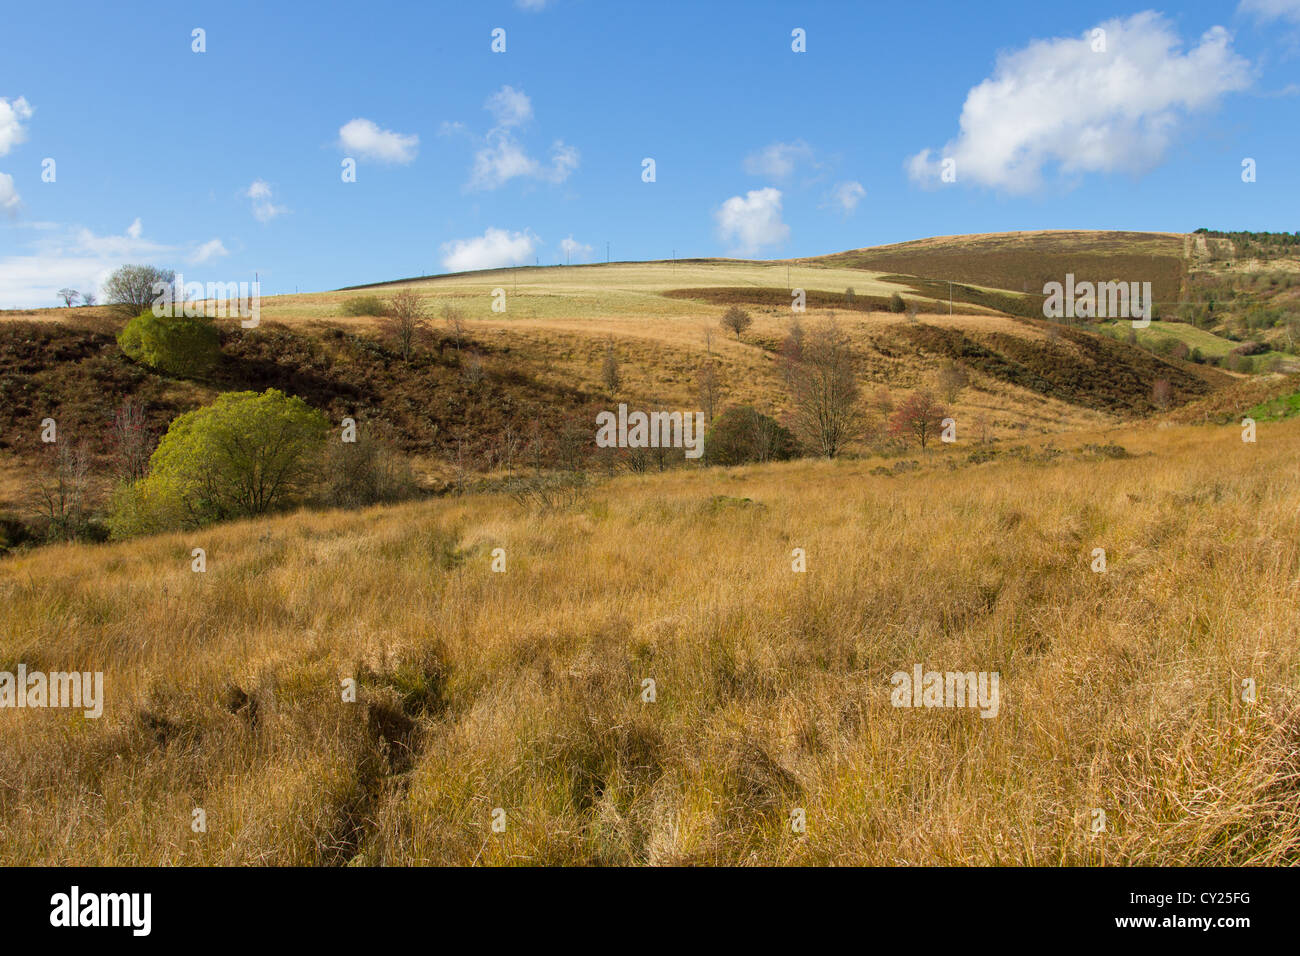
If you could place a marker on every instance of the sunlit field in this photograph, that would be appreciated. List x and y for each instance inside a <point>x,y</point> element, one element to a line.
<point>520,696</point>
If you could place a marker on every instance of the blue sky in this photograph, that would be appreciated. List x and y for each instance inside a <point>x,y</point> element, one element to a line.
<point>226,162</point>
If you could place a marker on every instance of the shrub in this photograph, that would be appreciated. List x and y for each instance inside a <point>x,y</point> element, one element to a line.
<point>896,303</point>
<point>245,454</point>
<point>365,472</point>
<point>744,434</point>
<point>365,305</point>
<point>178,345</point>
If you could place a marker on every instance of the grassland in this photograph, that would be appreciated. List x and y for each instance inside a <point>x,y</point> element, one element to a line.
<point>1157,333</point>
<point>522,690</point>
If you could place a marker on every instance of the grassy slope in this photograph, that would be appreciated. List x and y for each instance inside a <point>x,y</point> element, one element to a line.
<point>521,690</point>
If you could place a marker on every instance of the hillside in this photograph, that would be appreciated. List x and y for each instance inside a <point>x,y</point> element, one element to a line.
<point>510,386</point>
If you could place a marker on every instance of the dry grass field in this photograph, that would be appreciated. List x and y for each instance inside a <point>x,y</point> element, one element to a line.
<point>521,691</point>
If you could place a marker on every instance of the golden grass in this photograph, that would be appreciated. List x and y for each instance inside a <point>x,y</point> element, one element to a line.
<point>521,690</point>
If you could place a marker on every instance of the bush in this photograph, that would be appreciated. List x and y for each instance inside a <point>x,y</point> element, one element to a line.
<point>178,345</point>
<point>896,303</point>
<point>744,434</point>
<point>365,472</point>
<point>245,454</point>
<point>365,305</point>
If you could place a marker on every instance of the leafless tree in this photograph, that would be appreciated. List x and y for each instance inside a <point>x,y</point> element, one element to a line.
<point>952,379</point>
<point>88,298</point>
<point>406,320</point>
<point>610,371</point>
<point>455,320</point>
<point>1161,393</point>
<point>824,392</point>
<point>709,388</point>
<point>69,296</point>
<point>131,441</point>
<point>737,320</point>
<point>58,496</point>
<point>792,351</point>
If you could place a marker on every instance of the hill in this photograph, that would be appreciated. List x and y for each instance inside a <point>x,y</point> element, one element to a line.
<point>494,389</point>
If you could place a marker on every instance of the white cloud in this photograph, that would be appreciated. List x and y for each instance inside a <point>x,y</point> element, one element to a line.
<point>500,161</point>
<point>510,106</point>
<point>365,139</point>
<point>495,249</point>
<point>573,249</point>
<point>564,160</point>
<point>1058,101</point>
<point>135,229</point>
<point>531,4</point>
<point>212,249</point>
<point>73,257</point>
<point>1272,9</point>
<point>502,157</point>
<point>264,207</point>
<point>12,131</point>
<point>778,160</point>
<point>9,197</point>
<point>847,195</point>
<point>752,222</point>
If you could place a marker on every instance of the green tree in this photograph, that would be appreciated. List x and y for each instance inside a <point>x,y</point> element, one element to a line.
<point>177,345</point>
<point>244,455</point>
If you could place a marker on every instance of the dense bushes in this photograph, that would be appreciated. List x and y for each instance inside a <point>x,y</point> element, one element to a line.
<point>365,305</point>
<point>243,455</point>
<point>178,345</point>
<point>744,434</point>
<point>364,472</point>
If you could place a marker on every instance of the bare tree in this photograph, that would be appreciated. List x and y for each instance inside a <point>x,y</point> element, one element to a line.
<point>131,288</point>
<point>952,379</point>
<point>737,320</point>
<point>824,392</point>
<point>69,296</point>
<point>88,298</point>
<point>58,497</point>
<point>406,320</point>
<point>610,373</point>
<point>472,372</point>
<point>455,320</point>
<point>1161,393</point>
<point>132,444</point>
<point>709,388</point>
<point>792,351</point>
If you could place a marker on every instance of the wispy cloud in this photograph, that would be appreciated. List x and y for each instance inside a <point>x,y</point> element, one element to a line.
<point>363,138</point>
